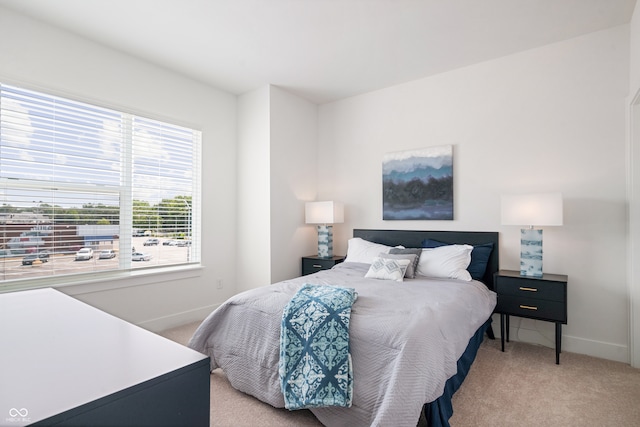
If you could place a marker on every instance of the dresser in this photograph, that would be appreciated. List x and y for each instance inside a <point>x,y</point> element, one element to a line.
<point>540,298</point>
<point>64,362</point>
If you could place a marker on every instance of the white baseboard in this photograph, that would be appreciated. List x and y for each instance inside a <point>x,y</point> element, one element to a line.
<point>543,333</point>
<point>603,350</point>
<point>177,319</point>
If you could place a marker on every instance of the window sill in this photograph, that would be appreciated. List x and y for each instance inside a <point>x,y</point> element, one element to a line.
<point>92,282</point>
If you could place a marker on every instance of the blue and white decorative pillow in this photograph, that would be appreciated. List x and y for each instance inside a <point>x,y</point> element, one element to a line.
<point>412,257</point>
<point>388,269</point>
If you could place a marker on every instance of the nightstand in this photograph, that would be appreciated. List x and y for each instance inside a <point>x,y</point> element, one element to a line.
<point>540,298</point>
<point>313,263</point>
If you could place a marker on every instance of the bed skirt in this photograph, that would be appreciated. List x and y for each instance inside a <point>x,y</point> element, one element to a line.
<point>438,412</point>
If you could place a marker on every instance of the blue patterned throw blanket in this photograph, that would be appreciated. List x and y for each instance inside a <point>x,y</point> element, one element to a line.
<point>315,361</point>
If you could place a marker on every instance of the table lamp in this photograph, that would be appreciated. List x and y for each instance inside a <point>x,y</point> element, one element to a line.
<point>542,209</point>
<point>324,214</point>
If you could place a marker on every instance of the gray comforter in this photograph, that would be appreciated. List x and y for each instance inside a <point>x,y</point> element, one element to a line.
<point>405,341</point>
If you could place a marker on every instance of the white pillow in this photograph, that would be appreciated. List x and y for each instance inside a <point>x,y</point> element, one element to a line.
<point>388,269</point>
<point>446,262</point>
<point>360,250</point>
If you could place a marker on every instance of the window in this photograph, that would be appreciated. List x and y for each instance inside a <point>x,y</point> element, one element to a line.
<point>86,189</point>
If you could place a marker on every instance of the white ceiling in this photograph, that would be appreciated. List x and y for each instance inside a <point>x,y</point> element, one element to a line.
<point>323,50</point>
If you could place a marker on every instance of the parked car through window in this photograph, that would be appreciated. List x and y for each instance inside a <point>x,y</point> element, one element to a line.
<point>84,254</point>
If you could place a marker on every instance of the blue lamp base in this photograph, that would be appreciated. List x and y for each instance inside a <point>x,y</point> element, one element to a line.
<point>530,252</point>
<point>325,241</point>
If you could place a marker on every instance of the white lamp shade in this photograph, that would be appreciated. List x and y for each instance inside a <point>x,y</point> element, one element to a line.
<point>323,212</point>
<point>532,209</point>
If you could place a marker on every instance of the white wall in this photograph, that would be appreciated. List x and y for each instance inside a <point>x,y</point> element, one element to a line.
<point>277,173</point>
<point>254,184</point>
<point>634,186</point>
<point>548,119</point>
<point>43,58</point>
<point>634,63</point>
<point>294,142</point>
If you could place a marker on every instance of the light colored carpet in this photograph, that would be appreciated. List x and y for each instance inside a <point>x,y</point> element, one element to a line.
<point>521,387</point>
<point>231,408</point>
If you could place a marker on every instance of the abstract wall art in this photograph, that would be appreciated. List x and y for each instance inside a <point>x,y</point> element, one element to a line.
<point>418,184</point>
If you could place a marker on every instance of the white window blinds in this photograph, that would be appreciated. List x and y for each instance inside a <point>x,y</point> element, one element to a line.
<point>74,175</point>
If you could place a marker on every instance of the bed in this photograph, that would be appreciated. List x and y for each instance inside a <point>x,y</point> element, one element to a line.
<point>411,341</point>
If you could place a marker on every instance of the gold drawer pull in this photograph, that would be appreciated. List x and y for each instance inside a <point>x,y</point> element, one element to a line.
<point>528,289</point>
<point>317,266</point>
<point>528,307</point>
